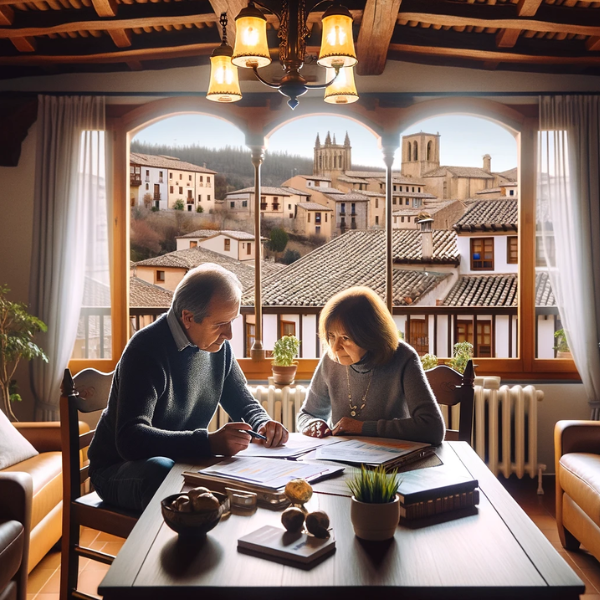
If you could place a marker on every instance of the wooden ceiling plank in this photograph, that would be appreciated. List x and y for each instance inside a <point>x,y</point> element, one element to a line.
<point>232,8</point>
<point>7,15</point>
<point>487,55</point>
<point>23,44</point>
<point>121,38</point>
<point>122,56</point>
<point>528,8</point>
<point>376,30</point>
<point>507,38</point>
<point>105,8</point>
<point>135,65</point>
<point>593,43</point>
<point>103,25</point>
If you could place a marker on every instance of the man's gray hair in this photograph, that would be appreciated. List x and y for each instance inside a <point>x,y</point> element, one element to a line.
<point>200,285</point>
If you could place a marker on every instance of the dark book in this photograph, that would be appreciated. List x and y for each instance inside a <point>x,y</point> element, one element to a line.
<point>275,542</point>
<point>431,484</point>
<point>443,504</point>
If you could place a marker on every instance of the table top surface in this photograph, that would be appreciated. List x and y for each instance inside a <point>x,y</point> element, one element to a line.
<point>493,551</point>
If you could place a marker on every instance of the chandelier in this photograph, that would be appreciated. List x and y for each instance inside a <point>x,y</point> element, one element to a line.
<point>251,51</point>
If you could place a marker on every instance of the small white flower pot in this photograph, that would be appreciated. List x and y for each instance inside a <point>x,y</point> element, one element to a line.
<point>375,522</point>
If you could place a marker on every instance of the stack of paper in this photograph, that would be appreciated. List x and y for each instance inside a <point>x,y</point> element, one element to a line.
<point>296,446</point>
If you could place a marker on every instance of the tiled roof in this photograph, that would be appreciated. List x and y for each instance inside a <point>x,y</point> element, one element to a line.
<point>199,233</point>
<point>147,295</point>
<point>151,160</point>
<point>347,179</point>
<point>430,207</point>
<point>349,197</point>
<point>372,194</point>
<point>237,235</point>
<point>544,296</point>
<point>511,174</point>
<point>495,190</point>
<point>357,258</point>
<point>314,206</point>
<point>406,180</point>
<point>414,195</point>
<point>328,190</point>
<point>316,177</point>
<point>365,174</point>
<point>192,257</point>
<point>271,191</point>
<point>484,290</point>
<point>296,191</point>
<point>269,268</point>
<point>486,215</point>
<point>497,290</point>
<point>472,172</point>
<point>95,293</point>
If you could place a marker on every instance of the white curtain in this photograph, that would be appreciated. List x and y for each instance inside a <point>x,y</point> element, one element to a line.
<point>69,187</point>
<point>569,218</point>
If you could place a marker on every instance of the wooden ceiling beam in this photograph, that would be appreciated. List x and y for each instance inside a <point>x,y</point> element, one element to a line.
<point>121,37</point>
<point>109,26</point>
<point>579,21</point>
<point>105,8</point>
<point>7,15</point>
<point>507,38</point>
<point>492,56</point>
<point>24,44</point>
<point>528,8</point>
<point>232,8</point>
<point>123,56</point>
<point>376,30</point>
<point>593,43</point>
<point>135,65</point>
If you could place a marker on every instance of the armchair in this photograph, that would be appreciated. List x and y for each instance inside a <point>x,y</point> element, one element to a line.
<point>577,457</point>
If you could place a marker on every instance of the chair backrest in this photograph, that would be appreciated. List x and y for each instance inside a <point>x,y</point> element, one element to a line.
<point>87,392</point>
<point>451,388</point>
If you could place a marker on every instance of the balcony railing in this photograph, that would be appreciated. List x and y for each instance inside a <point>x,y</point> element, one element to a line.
<point>157,196</point>
<point>275,206</point>
<point>135,180</point>
<point>263,206</point>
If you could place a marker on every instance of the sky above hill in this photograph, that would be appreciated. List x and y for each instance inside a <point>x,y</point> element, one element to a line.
<point>464,140</point>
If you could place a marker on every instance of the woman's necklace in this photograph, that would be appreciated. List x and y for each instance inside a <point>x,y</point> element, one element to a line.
<point>355,410</point>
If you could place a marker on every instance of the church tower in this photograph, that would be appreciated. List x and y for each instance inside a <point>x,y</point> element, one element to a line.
<point>332,159</point>
<point>420,153</point>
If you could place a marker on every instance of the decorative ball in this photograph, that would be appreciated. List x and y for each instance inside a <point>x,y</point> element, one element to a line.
<point>317,523</point>
<point>195,492</point>
<point>204,503</point>
<point>292,519</point>
<point>298,491</point>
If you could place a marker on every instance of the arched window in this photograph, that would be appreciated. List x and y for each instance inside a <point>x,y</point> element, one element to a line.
<point>409,151</point>
<point>428,151</point>
<point>416,151</point>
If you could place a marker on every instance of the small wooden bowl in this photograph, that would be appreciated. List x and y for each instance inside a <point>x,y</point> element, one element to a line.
<point>193,524</point>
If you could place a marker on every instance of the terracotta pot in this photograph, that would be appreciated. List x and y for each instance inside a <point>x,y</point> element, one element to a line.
<point>560,354</point>
<point>375,522</point>
<point>284,375</point>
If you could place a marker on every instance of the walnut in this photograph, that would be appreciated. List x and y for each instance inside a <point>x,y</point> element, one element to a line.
<point>317,523</point>
<point>292,519</point>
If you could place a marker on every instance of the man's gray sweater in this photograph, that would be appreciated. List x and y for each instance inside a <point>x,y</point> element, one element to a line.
<point>162,399</point>
<point>399,403</point>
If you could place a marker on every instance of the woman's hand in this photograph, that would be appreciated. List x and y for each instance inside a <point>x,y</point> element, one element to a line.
<point>347,426</point>
<point>317,429</point>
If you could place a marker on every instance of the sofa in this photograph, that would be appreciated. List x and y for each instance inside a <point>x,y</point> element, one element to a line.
<point>16,492</point>
<point>577,456</point>
<point>44,471</point>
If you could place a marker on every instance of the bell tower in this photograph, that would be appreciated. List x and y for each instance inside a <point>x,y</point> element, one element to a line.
<point>330,158</point>
<point>420,153</point>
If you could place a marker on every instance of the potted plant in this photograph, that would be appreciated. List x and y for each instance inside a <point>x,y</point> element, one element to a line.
<point>429,361</point>
<point>562,345</point>
<point>17,328</point>
<point>375,509</point>
<point>284,366</point>
<point>463,352</point>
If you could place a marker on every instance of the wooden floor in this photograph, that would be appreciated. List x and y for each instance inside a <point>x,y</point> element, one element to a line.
<point>44,580</point>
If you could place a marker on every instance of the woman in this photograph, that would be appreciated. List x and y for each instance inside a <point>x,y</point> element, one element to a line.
<point>369,382</point>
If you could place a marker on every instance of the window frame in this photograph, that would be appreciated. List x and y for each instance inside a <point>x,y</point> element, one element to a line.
<point>511,252</point>
<point>483,241</point>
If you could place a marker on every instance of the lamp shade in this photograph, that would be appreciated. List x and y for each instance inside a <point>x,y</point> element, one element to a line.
<point>224,84</point>
<point>251,48</point>
<point>342,90</point>
<point>337,44</point>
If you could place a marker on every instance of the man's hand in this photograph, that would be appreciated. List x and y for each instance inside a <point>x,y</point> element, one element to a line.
<point>317,429</point>
<point>230,439</point>
<point>275,432</point>
<point>348,426</point>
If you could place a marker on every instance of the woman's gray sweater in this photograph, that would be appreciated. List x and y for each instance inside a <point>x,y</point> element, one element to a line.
<point>399,404</point>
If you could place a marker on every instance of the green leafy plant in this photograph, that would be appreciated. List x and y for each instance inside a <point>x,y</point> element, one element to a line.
<point>463,352</point>
<point>178,204</point>
<point>562,345</point>
<point>17,328</point>
<point>429,361</point>
<point>278,239</point>
<point>285,351</point>
<point>374,486</point>
<point>199,209</point>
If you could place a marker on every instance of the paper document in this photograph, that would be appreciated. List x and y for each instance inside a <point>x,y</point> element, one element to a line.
<point>356,450</point>
<point>270,472</point>
<point>296,445</point>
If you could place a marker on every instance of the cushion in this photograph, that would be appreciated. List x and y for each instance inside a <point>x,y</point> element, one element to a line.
<point>13,446</point>
<point>579,477</point>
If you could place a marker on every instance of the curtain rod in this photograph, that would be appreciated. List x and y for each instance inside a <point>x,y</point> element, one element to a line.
<point>383,96</point>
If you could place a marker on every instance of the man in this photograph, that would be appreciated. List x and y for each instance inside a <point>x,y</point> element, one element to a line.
<point>167,386</point>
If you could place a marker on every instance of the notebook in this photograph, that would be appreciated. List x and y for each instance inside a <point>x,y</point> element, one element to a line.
<point>275,542</point>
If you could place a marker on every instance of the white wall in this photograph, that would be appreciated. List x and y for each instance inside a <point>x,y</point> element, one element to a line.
<point>500,265</point>
<point>270,333</point>
<point>500,256</point>
<point>501,341</point>
<point>546,339</point>
<point>217,244</point>
<point>442,335</point>
<point>237,341</point>
<point>309,336</point>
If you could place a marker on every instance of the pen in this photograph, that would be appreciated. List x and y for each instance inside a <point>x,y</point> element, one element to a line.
<point>253,433</point>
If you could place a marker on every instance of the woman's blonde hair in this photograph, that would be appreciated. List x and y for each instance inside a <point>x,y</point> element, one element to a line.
<point>365,319</point>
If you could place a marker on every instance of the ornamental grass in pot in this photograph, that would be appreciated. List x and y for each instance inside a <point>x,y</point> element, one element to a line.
<point>375,509</point>
<point>284,365</point>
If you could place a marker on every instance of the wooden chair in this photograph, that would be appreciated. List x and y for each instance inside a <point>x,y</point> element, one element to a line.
<point>87,392</point>
<point>451,388</point>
